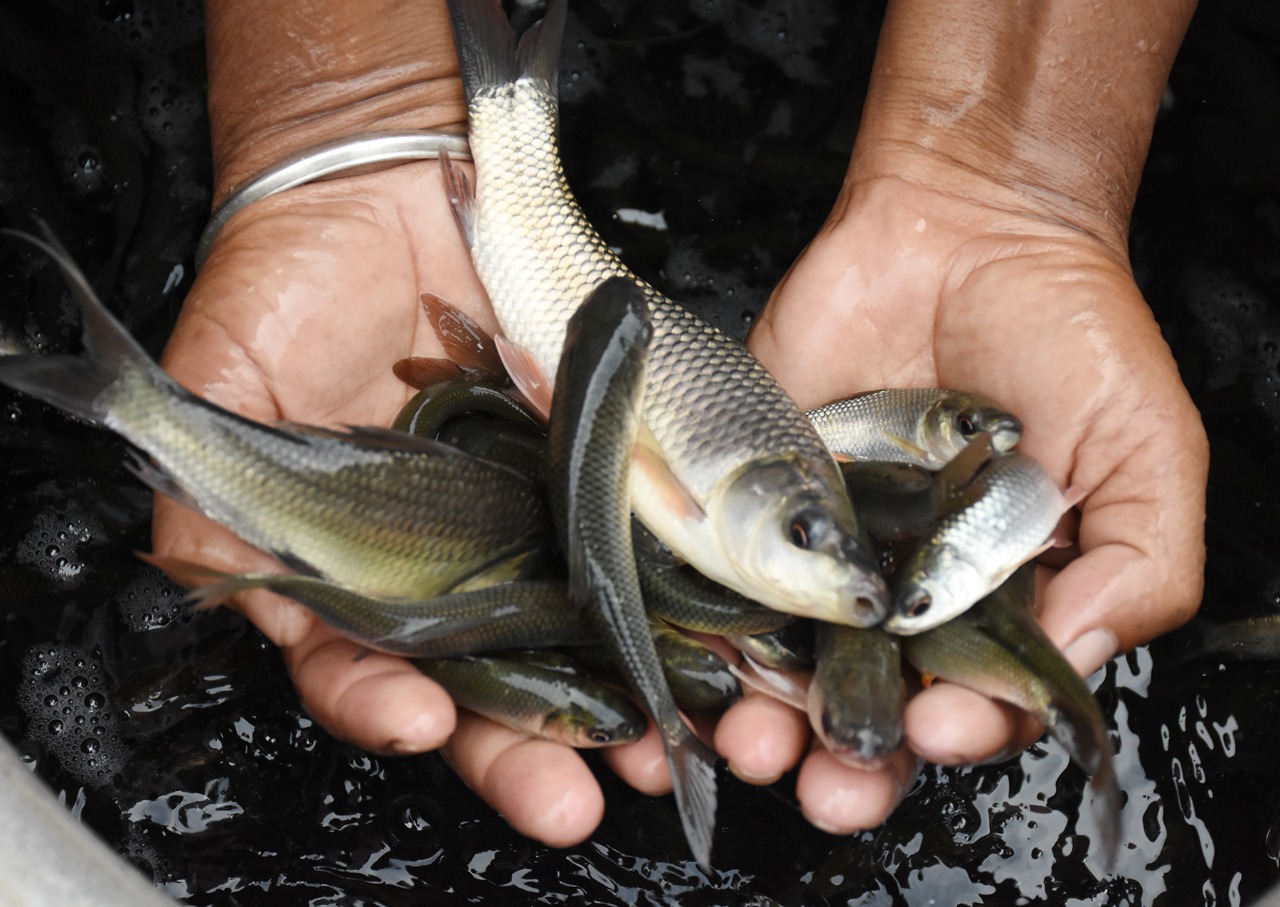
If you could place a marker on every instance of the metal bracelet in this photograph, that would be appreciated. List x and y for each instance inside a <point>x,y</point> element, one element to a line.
<point>332,159</point>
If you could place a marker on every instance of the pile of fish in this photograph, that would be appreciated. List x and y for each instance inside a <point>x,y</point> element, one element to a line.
<point>530,549</point>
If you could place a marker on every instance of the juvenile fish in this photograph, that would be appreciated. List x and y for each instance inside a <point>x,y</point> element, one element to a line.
<point>525,613</point>
<point>563,706</point>
<point>373,510</point>
<point>923,426</point>
<point>1014,506</point>
<point>998,649</point>
<point>729,473</point>
<point>594,418</point>
<point>857,695</point>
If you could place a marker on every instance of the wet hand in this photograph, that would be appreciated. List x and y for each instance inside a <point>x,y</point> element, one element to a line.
<point>910,286</point>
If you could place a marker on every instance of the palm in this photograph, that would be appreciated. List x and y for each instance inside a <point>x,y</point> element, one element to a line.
<point>913,288</point>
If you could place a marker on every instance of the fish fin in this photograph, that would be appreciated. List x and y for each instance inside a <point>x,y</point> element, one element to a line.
<point>158,480</point>
<point>771,682</point>
<point>485,44</point>
<point>1076,722</point>
<point>538,55</point>
<point>910,448</point>
<point>649,460</point>
<point>464,340</point>
<point>842,457</point>
<point>208,587</point>
<point>693,780</point>
<point>461,195</point>
<point>965,466</point>
<point>77,384</point>
<point>527,374</point>
<point>421,372</point>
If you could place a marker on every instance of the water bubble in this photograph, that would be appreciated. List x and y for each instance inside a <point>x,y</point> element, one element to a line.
<point>55,726</point>
<point>89,745</point>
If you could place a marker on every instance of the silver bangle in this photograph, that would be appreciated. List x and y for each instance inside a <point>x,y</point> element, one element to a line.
<point>331,159</point>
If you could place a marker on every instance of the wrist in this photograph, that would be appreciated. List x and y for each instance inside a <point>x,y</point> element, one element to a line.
<point>1043,109</point>
<point>282,81</point>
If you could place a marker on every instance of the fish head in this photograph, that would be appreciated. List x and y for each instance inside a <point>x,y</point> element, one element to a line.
<point>957,417</point>
<point>591,725</point>
<point>856,730</point>
<point>797,544</point>
<point>934,585</point>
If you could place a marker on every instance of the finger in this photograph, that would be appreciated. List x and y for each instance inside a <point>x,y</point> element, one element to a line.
<point>761,738</point>
<point>841,800</point>
<point>377,701</point>
<point>543,789</point>
<point>642,764</point>
<point>947,724</point>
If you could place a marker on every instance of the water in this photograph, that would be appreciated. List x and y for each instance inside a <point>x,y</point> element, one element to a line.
<point>178,736</point>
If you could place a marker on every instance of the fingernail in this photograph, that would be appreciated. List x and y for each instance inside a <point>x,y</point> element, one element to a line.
<point>743,775</point>
<point>1092,650</point>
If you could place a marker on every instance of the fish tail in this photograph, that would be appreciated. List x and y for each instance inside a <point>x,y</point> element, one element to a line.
<point>1079,727</point>
<point>208,587</point>
<point>78,384</point>
<point>693,779</point>
<point>487,51</point>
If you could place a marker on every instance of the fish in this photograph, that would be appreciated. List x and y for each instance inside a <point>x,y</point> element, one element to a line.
<point>595,416</point>
<point>999,650</point>
<point>1012,506</point>
<point>789,648</point>
<point>520,613</point>
<point>377,511</point>
<point>554,704</point>
<point>683,597</point>
<point>857,696</point>
<point>729,472</point>
<point>923,426</point>
<point>429,410</point>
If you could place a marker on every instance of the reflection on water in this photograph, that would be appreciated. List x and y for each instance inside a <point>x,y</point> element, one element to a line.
<point>708,140</point>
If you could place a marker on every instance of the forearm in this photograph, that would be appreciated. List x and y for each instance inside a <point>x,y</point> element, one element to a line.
<point>284,76</point>
<point>1044,102</point>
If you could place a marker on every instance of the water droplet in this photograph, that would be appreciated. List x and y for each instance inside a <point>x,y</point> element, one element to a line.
<point>94,701</point>
<point>89,745</point>
<point>55,726</point>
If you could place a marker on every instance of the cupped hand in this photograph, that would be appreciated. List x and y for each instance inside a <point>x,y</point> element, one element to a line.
<point>305,303</point>
<point>909,285</point>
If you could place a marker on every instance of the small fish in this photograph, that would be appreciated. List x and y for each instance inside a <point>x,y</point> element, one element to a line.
<point>559,705</point>
<point>374,510</point>
<point>523,613</point>
<point>431,408</point>
<point>729,473</point>
<point>998,649</point>
<point>1013,506</point>
<point>923,426</point>
<point>789,648</point>
<point>595,415</point>
<point>683,597</point>
<point>858,695</point>
<point>500,442</point>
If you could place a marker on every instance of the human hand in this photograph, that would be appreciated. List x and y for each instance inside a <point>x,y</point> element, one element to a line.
<point>912,284</point>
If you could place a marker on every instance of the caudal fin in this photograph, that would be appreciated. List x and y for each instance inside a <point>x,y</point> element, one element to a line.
<point>487,50</point>
<point>693,779</point>
<point>1077,723</point>
<point>76,383</point>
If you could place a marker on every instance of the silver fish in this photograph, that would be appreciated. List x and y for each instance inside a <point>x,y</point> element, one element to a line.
<point>1013,506</point>
<point>729,473</point>
<point>377,511</point>
<point>919,425</point>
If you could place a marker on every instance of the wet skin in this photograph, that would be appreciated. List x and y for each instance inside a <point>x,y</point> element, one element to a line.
<point>308,298</point>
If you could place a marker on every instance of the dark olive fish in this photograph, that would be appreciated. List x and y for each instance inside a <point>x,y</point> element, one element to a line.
<point>857,695</point>
<point>374,510</point>
<point>683,597</point>
<point>998,649</point>
<point>558,705</point>
<point>594,421</point>
<point>924,426</point>
<point>522,613</point>
<point>789,648</point>
<point>432,407</point>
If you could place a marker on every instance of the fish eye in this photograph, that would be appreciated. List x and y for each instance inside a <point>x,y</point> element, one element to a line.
<point>600,736</point>
<point>920,605</point>
<point>967,424</point>
<point>800,531</point>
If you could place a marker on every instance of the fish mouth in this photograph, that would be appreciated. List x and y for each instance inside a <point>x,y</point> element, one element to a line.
<point>868,604</point>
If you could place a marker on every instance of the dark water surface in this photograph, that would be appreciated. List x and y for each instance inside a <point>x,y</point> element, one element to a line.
<point>179,738</point>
